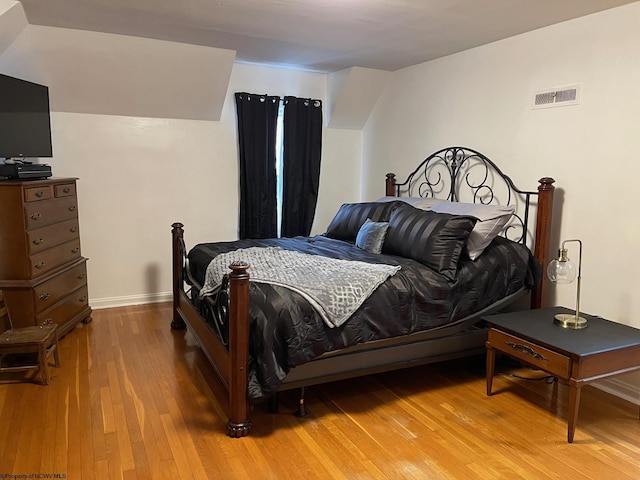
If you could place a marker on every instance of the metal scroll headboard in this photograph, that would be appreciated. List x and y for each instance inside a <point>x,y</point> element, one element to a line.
<point>460,174</point>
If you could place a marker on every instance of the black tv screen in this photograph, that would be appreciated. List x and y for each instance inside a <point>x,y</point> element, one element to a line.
<point>25,127</point>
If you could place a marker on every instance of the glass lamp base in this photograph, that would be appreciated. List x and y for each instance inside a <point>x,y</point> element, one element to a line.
<point>567,320</point>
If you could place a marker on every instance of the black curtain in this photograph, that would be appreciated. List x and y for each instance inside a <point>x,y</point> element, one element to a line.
<point>301,164</point>
<point>257,120</point>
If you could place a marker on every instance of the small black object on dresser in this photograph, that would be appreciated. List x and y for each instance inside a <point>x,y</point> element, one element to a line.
<point>25,171</point>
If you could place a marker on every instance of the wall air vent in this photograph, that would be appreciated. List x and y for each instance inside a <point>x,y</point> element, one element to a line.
<point>557,97</point>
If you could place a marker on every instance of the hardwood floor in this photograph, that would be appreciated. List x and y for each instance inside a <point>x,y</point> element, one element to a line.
<point>135,400</point>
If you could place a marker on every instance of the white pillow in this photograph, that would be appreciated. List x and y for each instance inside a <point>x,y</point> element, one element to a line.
<point>491,221</point>
<point>422,203</point>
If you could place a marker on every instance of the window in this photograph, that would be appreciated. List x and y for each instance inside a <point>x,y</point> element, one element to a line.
<point>279,164</point>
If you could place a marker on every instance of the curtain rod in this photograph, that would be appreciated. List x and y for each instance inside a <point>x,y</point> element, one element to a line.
<point>316,102</point>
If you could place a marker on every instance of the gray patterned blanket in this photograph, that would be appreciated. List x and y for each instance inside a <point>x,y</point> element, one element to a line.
<point>335,288</point>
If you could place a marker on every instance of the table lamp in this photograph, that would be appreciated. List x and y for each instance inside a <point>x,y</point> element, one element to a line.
<point>561,270</point>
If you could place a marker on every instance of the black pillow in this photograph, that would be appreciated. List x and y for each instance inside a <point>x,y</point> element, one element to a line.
<point>433,239</point>
<point>351,216</point>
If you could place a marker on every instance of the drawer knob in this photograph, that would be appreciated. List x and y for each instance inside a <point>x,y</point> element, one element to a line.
<point>82,299</point>
<point>40,265</point>
<point>73,229</point>
<point>38,241</point>
<point>39,193</point>
<point>72,208</point>
<point>36,216</point>
<point>526,350</point>
<point>81,276</point>
<point>75,250</point>
<point>66,189</point>
<point>48,321</point>
<point>44,296</point>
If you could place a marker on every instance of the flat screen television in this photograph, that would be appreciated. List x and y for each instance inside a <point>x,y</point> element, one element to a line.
<point>25,126</point>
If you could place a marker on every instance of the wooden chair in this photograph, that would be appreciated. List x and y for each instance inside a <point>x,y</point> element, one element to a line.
<point>39,340</point>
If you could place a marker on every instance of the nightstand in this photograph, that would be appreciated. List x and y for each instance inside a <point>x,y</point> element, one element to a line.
<point>601,350</point>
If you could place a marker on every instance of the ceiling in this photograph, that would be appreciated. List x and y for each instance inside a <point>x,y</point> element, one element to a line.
<point>318,35</point>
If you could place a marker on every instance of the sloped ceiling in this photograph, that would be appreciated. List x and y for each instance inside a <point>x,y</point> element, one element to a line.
<point>173,59</point>
<point>318,35</point>
<point>92,72</point>
<point>12,22</point>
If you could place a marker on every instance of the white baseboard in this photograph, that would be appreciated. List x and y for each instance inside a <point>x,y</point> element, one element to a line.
<point>619,388</point>
<point>128,300</point>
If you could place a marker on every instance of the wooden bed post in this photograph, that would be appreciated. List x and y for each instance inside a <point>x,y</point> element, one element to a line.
<point>178,239</point>
<point>543,234</point>
<point>391,185</point>
<point>238,424</point>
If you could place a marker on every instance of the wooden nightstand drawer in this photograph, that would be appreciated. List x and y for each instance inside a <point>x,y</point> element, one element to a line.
<point>51,291</point>
<point>535,355</point>
<point>37,193</point>
<point>47,237</point>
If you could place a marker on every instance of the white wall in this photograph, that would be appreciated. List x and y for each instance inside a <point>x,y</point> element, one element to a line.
<point>482,98</point>
<point>137,175</point>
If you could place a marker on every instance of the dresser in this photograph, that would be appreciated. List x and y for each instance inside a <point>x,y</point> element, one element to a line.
<point>42,272</point>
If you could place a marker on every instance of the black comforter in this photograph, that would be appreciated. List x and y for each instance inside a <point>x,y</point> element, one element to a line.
<point>287,332</point>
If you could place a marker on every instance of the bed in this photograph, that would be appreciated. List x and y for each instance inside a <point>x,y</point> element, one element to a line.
<point>460,241</point>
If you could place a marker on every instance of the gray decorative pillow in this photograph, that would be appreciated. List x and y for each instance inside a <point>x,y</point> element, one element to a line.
<point>433,239</point>
<point>371,236</point>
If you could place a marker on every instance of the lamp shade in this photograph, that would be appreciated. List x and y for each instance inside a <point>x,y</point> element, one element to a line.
<point>561,270</point>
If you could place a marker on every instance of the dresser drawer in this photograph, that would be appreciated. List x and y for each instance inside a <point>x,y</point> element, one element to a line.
<point>41,214</point>
<point>535,355</point>
<point>47,237</point>
<point>51,291</point>
<point>66,308</point>
<point>65,190</point>
<point>35,194</point>
<point>48,259</point>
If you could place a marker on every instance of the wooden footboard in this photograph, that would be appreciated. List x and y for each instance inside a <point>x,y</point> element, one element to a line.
<point>231,363</point>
